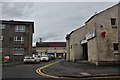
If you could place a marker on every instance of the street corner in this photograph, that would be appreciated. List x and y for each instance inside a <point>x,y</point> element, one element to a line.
<point>42,71</point>
<point>83,70</point>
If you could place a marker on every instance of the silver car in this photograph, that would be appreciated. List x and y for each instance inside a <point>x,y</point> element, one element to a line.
<point>44,58</point>
<point>30,59</point>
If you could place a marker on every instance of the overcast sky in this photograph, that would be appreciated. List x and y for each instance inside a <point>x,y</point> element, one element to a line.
<point>53,20</point>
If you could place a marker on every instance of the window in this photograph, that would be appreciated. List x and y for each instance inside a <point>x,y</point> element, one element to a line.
<point>20,28</point>
<point>19,39</point>
<point>18,51</point>
<point>1,49</point>
<point>115,46</point>
<point>113,22</point>
<point>2,26</point>
<point>1,37</point>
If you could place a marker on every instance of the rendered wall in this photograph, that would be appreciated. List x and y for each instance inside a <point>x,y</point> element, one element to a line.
<point>76,37</point>
<point>105,45</point>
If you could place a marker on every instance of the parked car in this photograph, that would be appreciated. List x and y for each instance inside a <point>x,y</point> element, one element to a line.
<point>31,59</point>
<point>52,57</point>
<point>37,57</point>
<point>60,57</point>
<point>44,58</point>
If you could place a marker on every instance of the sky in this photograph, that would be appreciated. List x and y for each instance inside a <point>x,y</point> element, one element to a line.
<point>52,20</point>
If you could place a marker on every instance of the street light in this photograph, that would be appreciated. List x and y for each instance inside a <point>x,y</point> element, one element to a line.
<point>40,39</point>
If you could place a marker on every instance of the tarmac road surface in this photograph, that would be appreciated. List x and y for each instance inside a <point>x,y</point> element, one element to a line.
<point>60,70</point>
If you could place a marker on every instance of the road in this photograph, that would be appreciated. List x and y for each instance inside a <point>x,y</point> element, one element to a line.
<point>56,69</point>
<point>23,70</point>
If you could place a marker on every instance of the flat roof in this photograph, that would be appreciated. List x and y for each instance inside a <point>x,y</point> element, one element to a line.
<point>17,22</point>
<point>50,44</point>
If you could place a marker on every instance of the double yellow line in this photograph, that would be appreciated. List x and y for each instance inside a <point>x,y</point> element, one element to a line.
<point>39,70</point>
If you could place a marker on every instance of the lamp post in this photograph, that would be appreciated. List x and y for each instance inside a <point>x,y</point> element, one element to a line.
<point>40,39</point>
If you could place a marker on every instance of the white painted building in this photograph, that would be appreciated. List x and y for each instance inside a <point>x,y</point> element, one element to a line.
<point>97,41</point>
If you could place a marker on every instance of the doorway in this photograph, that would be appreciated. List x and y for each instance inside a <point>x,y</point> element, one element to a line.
<point>85,51</point>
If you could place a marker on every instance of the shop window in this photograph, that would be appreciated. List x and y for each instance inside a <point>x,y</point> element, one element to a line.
<point>113,22</point>
<point>115,46</point>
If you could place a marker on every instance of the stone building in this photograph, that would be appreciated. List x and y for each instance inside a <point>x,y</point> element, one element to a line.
<point>73,44</point>
<point>16,38</point>
<point>96,41</point>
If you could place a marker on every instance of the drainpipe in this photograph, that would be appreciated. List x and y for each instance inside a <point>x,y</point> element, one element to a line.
<point>119,28</point>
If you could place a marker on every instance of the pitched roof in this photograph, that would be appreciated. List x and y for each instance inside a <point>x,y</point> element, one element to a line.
<point>68,35</point>
<point>100,13</point>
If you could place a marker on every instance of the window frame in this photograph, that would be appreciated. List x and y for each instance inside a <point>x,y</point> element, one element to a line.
<point>115,46</point>
<point>1,38</point>
<point>113,22</point>
<point>2,26</point>
<point>19,40</point>
<point>18,51</point>
<point>20,28</point>
<point>1,49</point>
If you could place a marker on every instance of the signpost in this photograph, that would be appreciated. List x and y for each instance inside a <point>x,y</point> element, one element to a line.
<point>90,35</point>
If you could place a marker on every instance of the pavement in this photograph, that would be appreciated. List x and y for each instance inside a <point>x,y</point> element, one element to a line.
<point>11,64</point>
<point>81,69</point>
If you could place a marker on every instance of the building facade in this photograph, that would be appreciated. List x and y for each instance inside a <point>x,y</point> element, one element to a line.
<point>73,44</point>
<point>97,41</point>
<point>16,38</point>
<point>57,49</point>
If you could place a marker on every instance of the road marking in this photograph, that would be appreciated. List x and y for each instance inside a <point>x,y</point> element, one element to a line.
<point>39,70</point>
